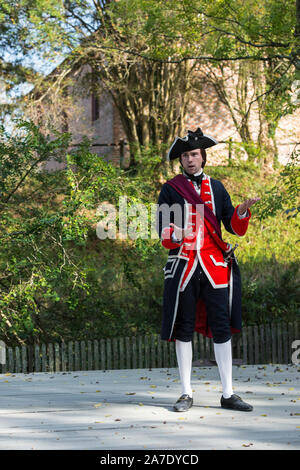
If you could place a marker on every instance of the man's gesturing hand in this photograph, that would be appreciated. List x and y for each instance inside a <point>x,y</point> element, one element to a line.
<point>246,204</point>
<point>181,233</point>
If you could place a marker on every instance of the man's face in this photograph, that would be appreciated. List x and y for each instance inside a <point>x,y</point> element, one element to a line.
<point>192,161</point>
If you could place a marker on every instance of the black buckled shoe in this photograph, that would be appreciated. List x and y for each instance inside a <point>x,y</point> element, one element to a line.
<point>235,403</point>
<point>183,403</point>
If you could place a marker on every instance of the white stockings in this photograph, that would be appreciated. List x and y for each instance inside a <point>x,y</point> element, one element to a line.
<point>223,355</point>
<point>184,354</point>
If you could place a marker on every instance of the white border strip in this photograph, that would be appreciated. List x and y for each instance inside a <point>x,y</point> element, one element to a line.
<point>230,291</point>
<point>215,286</point>
<point>172,270</point>
<point>212,197</point>
<point>210,137</point>
<point>218,263</point>
<point>190,274</point>
<point>183,139</point>
<point>177,299</point>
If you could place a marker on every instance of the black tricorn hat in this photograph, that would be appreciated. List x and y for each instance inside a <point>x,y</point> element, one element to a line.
<point>192,141</point>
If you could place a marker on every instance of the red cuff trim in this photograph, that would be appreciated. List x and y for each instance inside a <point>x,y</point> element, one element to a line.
<point>239,226</point>
<point>167,240</point>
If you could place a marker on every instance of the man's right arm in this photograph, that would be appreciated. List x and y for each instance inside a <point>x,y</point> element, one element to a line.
<point>167,207</point>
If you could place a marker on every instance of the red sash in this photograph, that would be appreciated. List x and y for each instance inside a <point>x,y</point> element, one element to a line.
<point>185,189</point>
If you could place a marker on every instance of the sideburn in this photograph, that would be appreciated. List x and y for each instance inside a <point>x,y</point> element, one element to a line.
<point>203,153</point>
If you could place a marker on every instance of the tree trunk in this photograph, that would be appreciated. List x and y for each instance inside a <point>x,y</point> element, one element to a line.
<point>266,141</point>
<point>153,104</point>
<point>267,145</point>
<point>231,86</point>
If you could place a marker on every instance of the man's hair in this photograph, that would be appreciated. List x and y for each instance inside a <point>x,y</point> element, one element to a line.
<point>203,153</point>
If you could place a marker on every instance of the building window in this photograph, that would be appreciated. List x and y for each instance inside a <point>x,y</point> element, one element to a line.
<point>95,107</point>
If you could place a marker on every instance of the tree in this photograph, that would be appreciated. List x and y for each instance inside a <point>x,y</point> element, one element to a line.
<point>144,52</point>
<point>58,278</point>
<point>250,93</point>
<point>151,97</point>
<point>14,47</point>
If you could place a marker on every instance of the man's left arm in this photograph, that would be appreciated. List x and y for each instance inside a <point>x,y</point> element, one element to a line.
<point>236,219</point>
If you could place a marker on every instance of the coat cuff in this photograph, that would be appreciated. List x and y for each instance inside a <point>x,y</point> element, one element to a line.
<point>239,224</point>
<point>166,239</point>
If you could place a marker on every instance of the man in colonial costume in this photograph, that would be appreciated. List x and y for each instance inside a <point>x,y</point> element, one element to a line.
<point>202,287</point>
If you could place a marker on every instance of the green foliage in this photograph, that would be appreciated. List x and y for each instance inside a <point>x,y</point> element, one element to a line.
<point>21,155</point>
<point>270,293</point>
<point>37,270</point>
<point>283,195</point>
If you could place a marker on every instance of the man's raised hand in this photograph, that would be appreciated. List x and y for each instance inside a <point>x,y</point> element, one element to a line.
<point>246,204</point>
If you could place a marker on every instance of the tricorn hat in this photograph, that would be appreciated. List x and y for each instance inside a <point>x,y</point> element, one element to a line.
<point>192,141</point>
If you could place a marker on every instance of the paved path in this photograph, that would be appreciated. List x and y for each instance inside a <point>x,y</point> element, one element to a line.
<point>132,409</point>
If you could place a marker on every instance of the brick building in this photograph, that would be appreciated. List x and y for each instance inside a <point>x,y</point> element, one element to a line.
<point>98,118</point>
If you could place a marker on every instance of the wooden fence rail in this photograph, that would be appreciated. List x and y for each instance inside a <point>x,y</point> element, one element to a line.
<point>269,343</point>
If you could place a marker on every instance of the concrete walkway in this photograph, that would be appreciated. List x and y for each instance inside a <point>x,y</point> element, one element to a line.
<point>132,409</point>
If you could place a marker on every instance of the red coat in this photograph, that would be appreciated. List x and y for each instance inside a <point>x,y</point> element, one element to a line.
<point>210,253</point>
